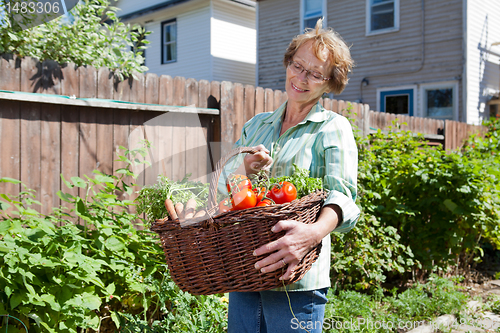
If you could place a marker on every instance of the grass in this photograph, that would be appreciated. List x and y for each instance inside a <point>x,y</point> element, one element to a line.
<point>351,311</point>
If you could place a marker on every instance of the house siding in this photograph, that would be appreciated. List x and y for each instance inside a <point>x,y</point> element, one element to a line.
<point>233,42</point>
<point>395,59</point>
<point>482,67</point>
<point>278,24</point>
<point>193,46</point>
<point>388,60</point>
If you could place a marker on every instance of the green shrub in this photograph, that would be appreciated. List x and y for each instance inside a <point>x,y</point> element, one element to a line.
<point>58,276</point>
<point>441,203</point>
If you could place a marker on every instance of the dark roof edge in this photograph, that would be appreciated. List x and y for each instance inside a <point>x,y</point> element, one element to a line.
<point>151,9</point>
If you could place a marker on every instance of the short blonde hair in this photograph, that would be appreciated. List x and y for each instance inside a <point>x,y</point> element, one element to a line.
<point>338,53</point>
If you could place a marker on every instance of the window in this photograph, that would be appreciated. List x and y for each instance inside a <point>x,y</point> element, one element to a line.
<point>312,11</point>
<point>382,16</point>
<point>398,101</point>
<point>440,101</point>
<point>169,41</point>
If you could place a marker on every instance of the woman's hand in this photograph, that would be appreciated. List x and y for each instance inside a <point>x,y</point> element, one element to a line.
<point>257,161</point>
<point>288,250</point>
<point>298,240</point>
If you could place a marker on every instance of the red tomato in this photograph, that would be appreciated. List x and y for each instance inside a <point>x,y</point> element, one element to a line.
<point>225,205</point>
<point>244,199</point>
<point>265,202</point>
<point>283,192</point>
<point>259,192</point>
<point>236,183</point>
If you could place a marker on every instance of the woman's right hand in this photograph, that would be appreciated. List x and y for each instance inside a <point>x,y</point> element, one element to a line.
<point>257,161</point>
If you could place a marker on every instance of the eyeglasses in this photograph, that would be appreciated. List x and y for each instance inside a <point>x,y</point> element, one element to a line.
<point>314,76</point>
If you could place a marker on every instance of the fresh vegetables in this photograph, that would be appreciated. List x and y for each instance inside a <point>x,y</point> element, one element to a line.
<point>151,198</point>
<point>184,200</point>
<point>300,178</point>
<point>283,192</point>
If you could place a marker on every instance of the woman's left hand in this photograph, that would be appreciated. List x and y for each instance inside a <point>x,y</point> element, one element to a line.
<point>288,250</point>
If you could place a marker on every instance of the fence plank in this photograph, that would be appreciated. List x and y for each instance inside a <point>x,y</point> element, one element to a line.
<point>166,90</point>
<point>179,91</point>
<point>227,113</point>
<point>268,100</point>
<point>70,128</point>
<point>10,72</point>
<point>10,145</point>
<point>137,89</point>
<point>50,164</point>
<point>88,82</point>
<point>260,100</point>
<point>31,71</point>
<point>31,147</point>
<point>178,151</point>
<point>122,89</point>
<point>203,93</point>
<point>239,105</point>
<point>277,99</point>
<point>152,85</point>
<point>70,80</point>
<point>192,132</point>
<point>192,96</point>
<point>249,108</point>
<point>105,82</point>
<point>51,77</point>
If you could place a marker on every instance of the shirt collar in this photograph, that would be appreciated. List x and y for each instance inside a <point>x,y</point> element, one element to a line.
<point>317,114</point>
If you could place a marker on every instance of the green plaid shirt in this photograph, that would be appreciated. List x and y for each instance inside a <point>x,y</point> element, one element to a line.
<point>323,143</point>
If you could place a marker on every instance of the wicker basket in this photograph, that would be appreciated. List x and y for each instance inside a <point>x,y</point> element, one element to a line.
<point>214,255</point>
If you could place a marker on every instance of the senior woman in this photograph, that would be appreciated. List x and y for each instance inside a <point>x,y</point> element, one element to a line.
<point>302,132</point>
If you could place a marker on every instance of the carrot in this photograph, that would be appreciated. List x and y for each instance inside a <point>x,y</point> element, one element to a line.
<point>170,208</point>
<point>179,209</point>
<point>190,206</point>
<point>200,213</point>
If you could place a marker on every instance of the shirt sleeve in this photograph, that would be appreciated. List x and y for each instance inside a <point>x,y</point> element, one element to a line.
<point>341,171</point>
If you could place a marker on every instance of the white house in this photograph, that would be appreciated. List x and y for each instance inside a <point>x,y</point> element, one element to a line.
<point>213,40</point>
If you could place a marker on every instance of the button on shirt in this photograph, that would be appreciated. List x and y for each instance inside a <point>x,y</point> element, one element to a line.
<point>324,144</point>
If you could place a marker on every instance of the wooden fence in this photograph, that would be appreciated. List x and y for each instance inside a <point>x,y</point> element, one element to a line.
<point>43,136</point>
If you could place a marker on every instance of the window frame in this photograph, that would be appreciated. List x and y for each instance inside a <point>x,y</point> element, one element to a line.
<point>163,44</point>
<point>398,91</point>
<point>368,17</point>
<point>439,85</point>
<point>303,14</point>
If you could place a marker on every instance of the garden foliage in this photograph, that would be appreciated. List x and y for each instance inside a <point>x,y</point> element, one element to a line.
<point>90,265</point>
<point>93,263</point>
<point>422,207</point>
<point>91,35</point>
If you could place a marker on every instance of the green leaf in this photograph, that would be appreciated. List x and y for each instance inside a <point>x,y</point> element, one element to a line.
<point>9,180</point>
<point>117,52</point>
<point>79,182</point>
<point>450,205</point>
<point>15,300</point>
<point>114,244</point>
<point>4,227</point>
<point>115,319</point>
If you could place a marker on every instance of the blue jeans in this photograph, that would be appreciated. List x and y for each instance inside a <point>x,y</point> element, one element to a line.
<point>269,311</point>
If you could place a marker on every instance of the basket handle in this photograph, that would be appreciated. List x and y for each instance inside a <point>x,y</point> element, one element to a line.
<point>212,195</point>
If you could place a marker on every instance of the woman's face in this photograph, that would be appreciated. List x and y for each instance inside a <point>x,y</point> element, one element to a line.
<point>301,89</point>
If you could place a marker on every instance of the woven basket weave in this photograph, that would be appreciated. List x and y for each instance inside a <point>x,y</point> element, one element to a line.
<point>214,255</point>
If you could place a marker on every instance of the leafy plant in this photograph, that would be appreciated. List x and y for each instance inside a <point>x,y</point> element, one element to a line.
<point>92,35</point>
<point>151,199</point>
<point>441,203</point>
<point>350,311</point>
